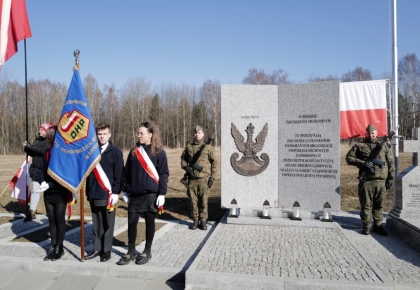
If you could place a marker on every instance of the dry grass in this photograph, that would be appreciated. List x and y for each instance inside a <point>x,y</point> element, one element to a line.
<point>177,203</point>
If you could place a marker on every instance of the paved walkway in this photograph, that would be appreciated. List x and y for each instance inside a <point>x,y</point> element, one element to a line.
<point>281,254</point>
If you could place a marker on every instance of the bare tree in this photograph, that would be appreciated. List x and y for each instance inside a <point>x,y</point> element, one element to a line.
<point>211,94</point>
<point>322,79</point>
<point>259,77</point>
<point>409,87</point>
<point>357,75</point>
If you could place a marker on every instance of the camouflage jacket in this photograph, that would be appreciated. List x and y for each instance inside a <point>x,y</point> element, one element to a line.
<point>206,159</point>
<point>359,153</point>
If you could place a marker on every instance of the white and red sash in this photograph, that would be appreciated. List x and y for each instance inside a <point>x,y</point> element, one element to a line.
<point>147,164</point>
<point>104,183</point>
<point>102,178</point>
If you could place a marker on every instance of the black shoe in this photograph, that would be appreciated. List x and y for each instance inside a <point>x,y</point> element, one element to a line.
<point>194,225</point>
<point>106,256</point>
<point>366,230</point>
<point>143,258</point>
<point>33,215</point>
<point>58,253</point>
<point>50,253</point>
<point>92,255</point>
<point>203,225</point>
<point>126,259</point>
<point>379,230</point>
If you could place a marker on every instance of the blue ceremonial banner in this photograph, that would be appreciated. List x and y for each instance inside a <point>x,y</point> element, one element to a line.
<point>75,151</point>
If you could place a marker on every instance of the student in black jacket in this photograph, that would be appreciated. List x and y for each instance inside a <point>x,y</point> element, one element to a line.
<point>55,200</point>
<point>103,217</point>
<point>36,151</point>
<point>145,183</point>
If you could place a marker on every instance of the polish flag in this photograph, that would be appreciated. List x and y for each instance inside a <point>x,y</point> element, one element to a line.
<point>19,182</point>
<point>361,104</point>
<point>14,26</point>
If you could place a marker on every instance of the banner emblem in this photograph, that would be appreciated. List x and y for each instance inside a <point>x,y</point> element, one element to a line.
<point>73,126</point>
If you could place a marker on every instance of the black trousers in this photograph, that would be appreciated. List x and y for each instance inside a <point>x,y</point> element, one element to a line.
<point>103,227</point>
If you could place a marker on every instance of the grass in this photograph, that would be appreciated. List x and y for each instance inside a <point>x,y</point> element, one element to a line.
<point>177,204</point>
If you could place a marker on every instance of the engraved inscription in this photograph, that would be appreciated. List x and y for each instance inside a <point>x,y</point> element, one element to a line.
<point>308,154</point>
<point>414,201</point>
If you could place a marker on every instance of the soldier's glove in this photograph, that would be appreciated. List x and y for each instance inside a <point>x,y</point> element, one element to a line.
<point>210,182</point>
<point>370,166</point>
<point>388,183</point>
<point>187,169</point>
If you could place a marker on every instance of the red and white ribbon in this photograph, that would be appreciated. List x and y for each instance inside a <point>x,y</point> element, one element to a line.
<point>102,178</point>
<point>147,164</point>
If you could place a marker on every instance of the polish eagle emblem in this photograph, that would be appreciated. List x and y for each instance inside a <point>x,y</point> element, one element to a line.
<point>249,164</point>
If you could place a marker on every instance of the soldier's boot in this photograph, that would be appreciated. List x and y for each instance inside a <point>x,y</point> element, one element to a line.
<point>379,230</point>
<point>366,230</point>
<point>194,225</point>
<point>32,214</point>
<point>203,225</point>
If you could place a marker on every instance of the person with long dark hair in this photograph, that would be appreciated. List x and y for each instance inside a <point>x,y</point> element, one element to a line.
<point>36,151</point>
<point>144,185</point>
<point>55,200</point>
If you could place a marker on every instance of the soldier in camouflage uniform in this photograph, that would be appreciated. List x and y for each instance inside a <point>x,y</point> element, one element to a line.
<point>199,182</point>
<point>372,191</point>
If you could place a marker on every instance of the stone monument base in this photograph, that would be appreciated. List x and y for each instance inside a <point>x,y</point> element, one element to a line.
<point>407,229</point>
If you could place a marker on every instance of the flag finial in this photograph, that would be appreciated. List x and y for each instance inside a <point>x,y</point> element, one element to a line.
<point>76,54</point>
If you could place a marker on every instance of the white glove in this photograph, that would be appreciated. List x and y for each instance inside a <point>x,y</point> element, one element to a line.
<point>114,199</point>
<point>125,197</point>
<point>44,186</point>
<point>160,200</point>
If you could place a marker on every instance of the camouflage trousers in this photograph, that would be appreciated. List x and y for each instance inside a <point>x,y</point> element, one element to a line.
<point>198,194</point>
<point>371,196</point>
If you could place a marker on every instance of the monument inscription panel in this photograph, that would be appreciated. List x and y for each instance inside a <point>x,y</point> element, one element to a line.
<point>309,145</point>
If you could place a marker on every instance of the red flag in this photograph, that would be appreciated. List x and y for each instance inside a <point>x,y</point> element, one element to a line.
<point>14,27</point>
<point>18,184</point>
<point>361,104</point>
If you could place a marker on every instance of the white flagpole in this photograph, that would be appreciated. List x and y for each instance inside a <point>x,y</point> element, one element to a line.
<point>394,83</point>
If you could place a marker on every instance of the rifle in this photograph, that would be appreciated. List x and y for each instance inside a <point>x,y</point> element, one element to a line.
<point>192,163</point>
<point>371,160</point>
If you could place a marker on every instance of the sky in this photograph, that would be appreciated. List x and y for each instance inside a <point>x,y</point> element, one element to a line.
<point>192,41</point>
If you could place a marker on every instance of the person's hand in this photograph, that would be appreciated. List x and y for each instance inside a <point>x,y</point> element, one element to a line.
<point>210,182</point>
<point>125,197</point>
<point>370,165</point>
<point>388,183</point>
<point>44,186</point>
<point>160,200</point>
<point>114,199</point>
<point>24,144</point>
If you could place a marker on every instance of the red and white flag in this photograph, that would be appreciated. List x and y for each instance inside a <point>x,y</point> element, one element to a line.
<point>19,182</point>
<point>361,104</point>
<point>14,27</point>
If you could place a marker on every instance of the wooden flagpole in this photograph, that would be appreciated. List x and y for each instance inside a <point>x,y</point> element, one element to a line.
<point>76,54</point>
